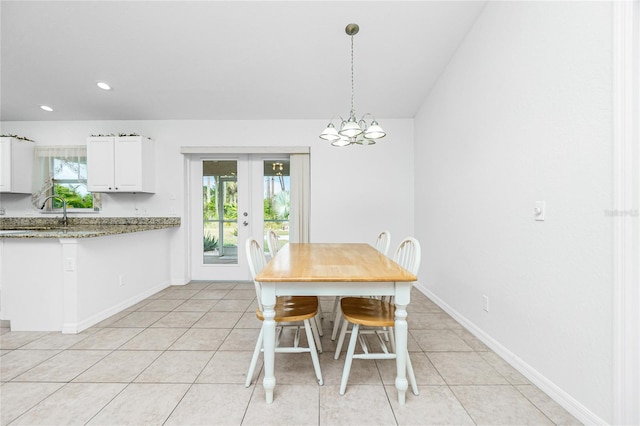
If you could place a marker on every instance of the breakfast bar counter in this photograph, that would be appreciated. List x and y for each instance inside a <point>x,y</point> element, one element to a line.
<point>68,278</point>
<point>28,227</point>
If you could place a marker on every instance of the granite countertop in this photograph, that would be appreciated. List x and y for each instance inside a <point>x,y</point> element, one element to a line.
<point>30,227</point>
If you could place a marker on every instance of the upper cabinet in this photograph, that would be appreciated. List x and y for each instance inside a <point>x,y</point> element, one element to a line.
<point>16,165</point>
<point>121,164</point>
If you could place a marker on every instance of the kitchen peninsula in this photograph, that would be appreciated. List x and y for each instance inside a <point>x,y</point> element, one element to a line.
<point>68,278</point>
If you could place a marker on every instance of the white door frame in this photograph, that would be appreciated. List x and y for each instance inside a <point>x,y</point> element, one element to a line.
<point>626,229</point>
<point>193,153</point>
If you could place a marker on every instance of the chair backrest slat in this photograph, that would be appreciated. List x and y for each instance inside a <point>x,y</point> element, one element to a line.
<point>257,261</point>
<point>273,242</point>
<point>408,255</point>
<point>383,242</point>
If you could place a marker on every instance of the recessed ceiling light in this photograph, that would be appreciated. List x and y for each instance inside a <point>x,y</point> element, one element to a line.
<point>46,108</point>
<point>103,85</point>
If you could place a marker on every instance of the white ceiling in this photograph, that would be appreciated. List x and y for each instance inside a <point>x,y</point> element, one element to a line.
<point>223,59</point>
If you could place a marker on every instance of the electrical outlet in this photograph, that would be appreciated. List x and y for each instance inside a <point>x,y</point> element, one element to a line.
<point>70,264</point>
<point>485,303</point>
<point>121,279</point>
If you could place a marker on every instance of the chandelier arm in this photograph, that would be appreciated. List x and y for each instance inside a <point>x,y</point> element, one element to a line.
<point>336,116</point>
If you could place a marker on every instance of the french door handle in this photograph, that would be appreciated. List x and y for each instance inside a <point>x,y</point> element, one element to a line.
<point>245,223</point>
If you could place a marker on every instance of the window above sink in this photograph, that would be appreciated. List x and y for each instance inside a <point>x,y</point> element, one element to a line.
<point>62,171</point>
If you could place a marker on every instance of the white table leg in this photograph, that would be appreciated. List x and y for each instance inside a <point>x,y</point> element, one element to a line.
<point>269,325</point>
<point>403,292</point>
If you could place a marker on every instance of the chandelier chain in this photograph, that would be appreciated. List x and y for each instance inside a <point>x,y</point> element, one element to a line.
<point>353,108</point>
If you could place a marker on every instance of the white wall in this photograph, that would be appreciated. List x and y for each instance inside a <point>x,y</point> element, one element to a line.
<point>523,113</point>
<point>356,191</point>
<point>117,271</point>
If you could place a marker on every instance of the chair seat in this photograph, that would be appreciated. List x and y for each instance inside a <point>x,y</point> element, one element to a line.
<point>293,308</point>
<point>368,312</point>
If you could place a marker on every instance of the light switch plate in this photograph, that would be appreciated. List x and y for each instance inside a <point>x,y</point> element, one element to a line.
<point>539,211</point>
<point>70,264</point>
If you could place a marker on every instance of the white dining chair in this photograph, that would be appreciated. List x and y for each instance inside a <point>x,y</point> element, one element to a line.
<point>377,316</point>
<point>382,245</point>
<point>291,312</point>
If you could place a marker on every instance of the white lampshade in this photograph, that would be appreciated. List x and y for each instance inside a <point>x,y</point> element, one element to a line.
<point>350,129</point>
<point>362,140</point>
<point>330,133</point>
<point>342,141</point>
<point>374,131</point>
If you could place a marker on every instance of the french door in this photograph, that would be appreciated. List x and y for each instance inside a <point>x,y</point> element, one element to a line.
<point>233,198</point>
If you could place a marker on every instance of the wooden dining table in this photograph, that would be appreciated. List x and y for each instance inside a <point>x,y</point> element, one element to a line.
<point>334,269</point>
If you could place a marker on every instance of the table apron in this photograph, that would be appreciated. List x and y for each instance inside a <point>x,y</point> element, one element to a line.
<point>401,290</point>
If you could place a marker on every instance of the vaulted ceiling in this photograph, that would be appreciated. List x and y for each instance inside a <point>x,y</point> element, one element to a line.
<point>223,59</point>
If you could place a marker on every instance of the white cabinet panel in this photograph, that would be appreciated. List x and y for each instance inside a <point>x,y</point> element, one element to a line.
<point>5,162</point>
<point>16,165</point>
<point>100,170</point>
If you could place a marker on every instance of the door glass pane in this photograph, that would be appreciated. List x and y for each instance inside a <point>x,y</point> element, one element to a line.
<point>276,199</point>
<point>220,211</point>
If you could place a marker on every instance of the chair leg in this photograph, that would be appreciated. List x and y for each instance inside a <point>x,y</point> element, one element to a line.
<point>336,303</point>
<point>254,359</point>
<point>343,332</point>
<point>318,322</point>
<point>349,359</point>
<point>336,321</point>
<point>314,352</point>
<point>412,377</point>
<point>319,319</point>
<point>316,334</point>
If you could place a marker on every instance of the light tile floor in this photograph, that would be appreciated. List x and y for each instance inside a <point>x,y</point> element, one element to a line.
<point>180,358</point>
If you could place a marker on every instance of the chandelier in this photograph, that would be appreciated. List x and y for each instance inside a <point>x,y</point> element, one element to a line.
<point>353,131</point>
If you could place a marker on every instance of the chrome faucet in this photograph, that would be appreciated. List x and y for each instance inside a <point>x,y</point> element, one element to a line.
<point>65,220</point>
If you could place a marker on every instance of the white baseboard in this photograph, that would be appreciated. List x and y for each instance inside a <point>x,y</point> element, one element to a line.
<point>569,403</point>
<point>180,280</point>
<point>75,328</point>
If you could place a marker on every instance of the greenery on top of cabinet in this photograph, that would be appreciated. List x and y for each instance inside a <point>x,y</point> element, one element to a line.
<point>22,138</point>
<point>110,135</point>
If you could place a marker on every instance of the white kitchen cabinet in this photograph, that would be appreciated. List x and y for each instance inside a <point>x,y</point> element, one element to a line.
<point>121,164</point>
<point>16,165</point>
